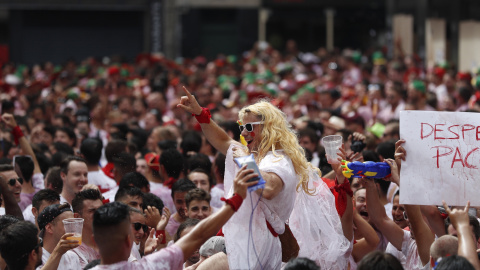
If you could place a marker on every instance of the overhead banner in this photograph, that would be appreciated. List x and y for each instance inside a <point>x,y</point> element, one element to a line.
<point>443,158</point>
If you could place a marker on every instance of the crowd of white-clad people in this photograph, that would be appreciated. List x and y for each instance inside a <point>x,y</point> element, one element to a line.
<point>148,154</point>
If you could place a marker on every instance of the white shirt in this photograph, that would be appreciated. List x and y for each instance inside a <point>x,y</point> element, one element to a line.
<point>101,180</point>
<point>83,254</point>
<point>28,215</point>
<point>38,181</point>
<point>217,192</point>
<point>165,259</point>
<point>410,260</point>
<point>110,195</point>
<point>70,263</point>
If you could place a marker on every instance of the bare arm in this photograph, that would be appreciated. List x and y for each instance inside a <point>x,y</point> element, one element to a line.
<point>434,219</point>
<point>214,134</point>
<point>347,217</point>
<point>423,235</point>
<point>370,241</point>
<point>23,142</point>
<point>273,186</point>
<point>377,214</point>
<point>211,225</point>
<point>61,248</point>
<point>466,241</point>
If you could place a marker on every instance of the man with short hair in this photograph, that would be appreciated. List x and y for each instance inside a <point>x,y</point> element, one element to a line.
<point>74,173</point>
<point>91,150</point>
<point>84,205</point>
<point>20,246</point>
<point>115,248</point>
<point>14,184</point>
<point>444,246</point>
<point>41,199</point>
<point>50,223</point>
<point>130,196</point>
<point>24,167</point>
<point>179,190</point>
<point>53,179</point>
<point>198,204</point>
<point>170,165</point>
<point>123,164</point>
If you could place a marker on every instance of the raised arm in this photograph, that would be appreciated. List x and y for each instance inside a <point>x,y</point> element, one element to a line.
<point>211,225</point>
<point>22,141</point>
<point>61,248</point>
<point>368,243</point>
<point>423,235</point>
<point>214,134</point>
<point>377,214</point>
<point>466,243</point>
<point>347,217</point>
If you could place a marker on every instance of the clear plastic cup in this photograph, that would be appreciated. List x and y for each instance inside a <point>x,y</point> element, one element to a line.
<point>75,226</point>
<point>332,143</point>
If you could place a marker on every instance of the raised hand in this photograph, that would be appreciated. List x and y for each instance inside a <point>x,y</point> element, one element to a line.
<point>9,120</point>
<point>189,103</point>
<point>458,217</point>
<point>240,183</point>
<point>152,215</point>
<point>162,224</point>
<point>65,244</point>
<point>395,174</point>
<point>400,153</point>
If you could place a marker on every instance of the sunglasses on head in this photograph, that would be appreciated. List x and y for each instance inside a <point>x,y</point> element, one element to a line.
<point>138,225</point>
<point>249,126</point>
<point>12,182</point>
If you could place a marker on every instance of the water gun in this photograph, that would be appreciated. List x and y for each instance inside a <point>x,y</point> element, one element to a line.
<point>368,169</point>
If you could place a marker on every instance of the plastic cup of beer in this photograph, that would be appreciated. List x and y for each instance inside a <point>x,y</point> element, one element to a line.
<point>332,143</point>
<point>75,226</point>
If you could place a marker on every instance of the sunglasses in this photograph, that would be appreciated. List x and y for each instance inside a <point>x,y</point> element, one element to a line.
<point>12,182</point>
<point>138,225</point>
<point>249,126</point>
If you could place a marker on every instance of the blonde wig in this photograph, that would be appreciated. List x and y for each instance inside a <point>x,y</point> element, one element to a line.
<point>277,134</point>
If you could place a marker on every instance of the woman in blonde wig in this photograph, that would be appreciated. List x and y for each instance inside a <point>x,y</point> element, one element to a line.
<point>285,169</point>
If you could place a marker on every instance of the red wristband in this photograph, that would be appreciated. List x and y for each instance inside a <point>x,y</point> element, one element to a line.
<point>235,201</point>
<point>204,116</point>
<point>161,232</point>
<point>17,134</point>
<point>344,187</point>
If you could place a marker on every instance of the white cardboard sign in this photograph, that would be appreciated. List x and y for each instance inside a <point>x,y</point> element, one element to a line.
<point>443,158</point>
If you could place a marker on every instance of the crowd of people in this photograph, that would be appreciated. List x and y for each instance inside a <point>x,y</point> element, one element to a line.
<point>145,153</point>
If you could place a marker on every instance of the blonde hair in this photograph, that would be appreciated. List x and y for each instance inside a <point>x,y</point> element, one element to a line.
<point>278,134</point>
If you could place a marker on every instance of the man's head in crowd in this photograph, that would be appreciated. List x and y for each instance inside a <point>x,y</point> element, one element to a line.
<point>142,166</point>
<point>123,164</point>
<point>360,198</point>
<point>20,246</point>
<point>454,262</point>
<point>392,131</point>
<point>53,179</point>
<point>13,181</point>
<point>219,167</point>
<point>308,139</point>
<point>171,163</point>
<point>112,231</point>
<point>42,199</point>
<point>301,264</point>
<point>157,135</point>
<point>378,260</point>
<point>135,179</point>
<point>138,224</point>
<point>199,161</point>
<point>91,150</point>
<point>183,230</point>
<point>179,190</point>
<point>5,221</point>
<point>65,135</point>
<point>398,212</point>
<point>131,196</point>
<point>355,184</point>
<point>150,199</point>
<point>113,148</point>
<point>51,225</point>
<point>74,173</point>
<point>201,179</point>
<point>198,204</point>
<point>386,150</point>
<point>84,205</point>
<point>444,246</point>
<point>24,167</point>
